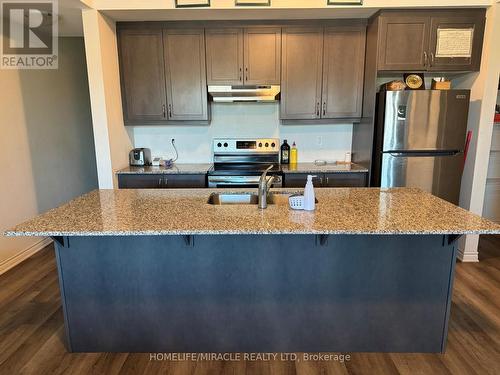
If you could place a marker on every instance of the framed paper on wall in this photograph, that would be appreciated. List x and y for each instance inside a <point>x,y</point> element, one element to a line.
<point>252,2</point>
<point>191,3</point>
<point>344,2</point>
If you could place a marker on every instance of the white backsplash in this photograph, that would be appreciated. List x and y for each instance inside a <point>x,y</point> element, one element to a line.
<point>240,120</point>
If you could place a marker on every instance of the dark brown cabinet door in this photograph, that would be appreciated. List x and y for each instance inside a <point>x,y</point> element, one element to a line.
<point>262,56</point>
<point>404,41</point>
<point>356,179</point>
<point>301,73</point>
<point>343,71</point>
<point>224,52</point>
<point>185,74</point>
<point>455,28</point>
<point>142,75</point>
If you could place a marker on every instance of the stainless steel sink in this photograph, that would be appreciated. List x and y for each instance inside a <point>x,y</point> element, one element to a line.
<point>232,198</point>
<point>276,198</point>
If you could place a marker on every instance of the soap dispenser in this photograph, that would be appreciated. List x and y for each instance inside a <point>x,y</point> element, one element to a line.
<point>309,197</point>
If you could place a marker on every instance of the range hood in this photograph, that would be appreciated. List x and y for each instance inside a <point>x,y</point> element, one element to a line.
<point>234,94</point>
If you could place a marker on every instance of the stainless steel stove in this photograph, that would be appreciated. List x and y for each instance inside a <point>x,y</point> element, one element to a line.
<point>240,162</point>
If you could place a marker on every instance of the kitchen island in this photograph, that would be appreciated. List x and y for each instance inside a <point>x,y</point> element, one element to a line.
<point>165,271</point>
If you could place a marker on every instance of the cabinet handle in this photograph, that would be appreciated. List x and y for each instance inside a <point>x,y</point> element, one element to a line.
<point>324,108</point>
<point>317,109</point>
<point>164,111</point>
<point>246,73</point>
<point>159,182</point>
<point>425,59</point>
<point>432,58</point>
<point>170,111</point>
<point>166,181</point>
<point>327,180</point>
<point>241,75</point>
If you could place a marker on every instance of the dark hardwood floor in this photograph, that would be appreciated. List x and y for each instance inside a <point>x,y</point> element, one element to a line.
<point>32,332</point>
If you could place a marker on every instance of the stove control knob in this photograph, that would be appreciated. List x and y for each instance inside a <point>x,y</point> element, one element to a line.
<point>260,144</point>
<point>273,145</point>
<point>219,144</point>
<point>225,144</point>
<point>267,144</point>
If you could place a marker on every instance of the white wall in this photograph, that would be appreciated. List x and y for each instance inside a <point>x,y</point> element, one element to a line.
<point>48,155</point>
<point>481,112</point>
<point>112,142</point>
<point>244,120</point>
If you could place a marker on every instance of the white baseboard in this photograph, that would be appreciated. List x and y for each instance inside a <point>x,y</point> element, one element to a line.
<point>467,257</point>
<point>13,261</point>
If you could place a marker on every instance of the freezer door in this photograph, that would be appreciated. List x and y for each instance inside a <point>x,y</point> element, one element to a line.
<point>425,120</point>
<point>439,175</point>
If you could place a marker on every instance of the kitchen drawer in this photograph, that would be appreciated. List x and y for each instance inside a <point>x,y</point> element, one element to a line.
<point>161,181</point>
<point>298,180</point>
<point>357,179</point>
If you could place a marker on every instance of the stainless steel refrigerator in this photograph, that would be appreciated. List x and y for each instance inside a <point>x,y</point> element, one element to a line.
<point>420,138</point>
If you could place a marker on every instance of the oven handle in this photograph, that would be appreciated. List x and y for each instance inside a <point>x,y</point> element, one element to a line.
<point>235,180</point>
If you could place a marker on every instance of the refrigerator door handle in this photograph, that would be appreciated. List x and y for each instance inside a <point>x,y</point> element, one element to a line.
<point>422,153</point>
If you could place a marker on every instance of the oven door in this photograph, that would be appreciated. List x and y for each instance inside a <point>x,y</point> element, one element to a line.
<point>240,181</point>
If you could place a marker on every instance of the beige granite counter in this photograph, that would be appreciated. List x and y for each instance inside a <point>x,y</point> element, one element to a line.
<point>327,168</point>
<point>171,212</point>
<point>176,169</point>
<point>204,168</point>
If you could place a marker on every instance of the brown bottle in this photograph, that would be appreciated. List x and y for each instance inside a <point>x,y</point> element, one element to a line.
<point>285,152</point>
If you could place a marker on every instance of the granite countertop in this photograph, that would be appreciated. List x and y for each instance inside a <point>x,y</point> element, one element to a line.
<point>176,169</point>
<point>203,168</point>
<point>176,212</point>
<point>327,168</point>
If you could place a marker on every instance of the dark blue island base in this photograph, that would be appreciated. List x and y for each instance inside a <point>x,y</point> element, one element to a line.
<point>256,293</point>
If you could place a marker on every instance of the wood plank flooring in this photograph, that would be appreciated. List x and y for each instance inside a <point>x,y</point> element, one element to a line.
<point>32,332</point>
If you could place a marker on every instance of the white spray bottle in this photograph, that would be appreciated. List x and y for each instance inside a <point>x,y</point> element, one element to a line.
<point>309,197</point>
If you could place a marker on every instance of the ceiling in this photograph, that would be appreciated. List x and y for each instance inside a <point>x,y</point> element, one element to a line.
<point>70,18</point>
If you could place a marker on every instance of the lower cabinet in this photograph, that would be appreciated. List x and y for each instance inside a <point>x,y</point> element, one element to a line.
<point>162,181</point>
<point>355,179</point>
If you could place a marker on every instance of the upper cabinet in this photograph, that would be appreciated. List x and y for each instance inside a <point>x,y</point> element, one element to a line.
<point>302,71</point>
<point>163,75</point>
<point>237,56</point>
<point>262,56</point>
<point>185,74</point>
<point>224,56</point>
<point>322,72</point>
<point>430,41</point>
<point>474,22</point>
<point>343,72</point>
<point>142,75</point>
<point>404,42</point>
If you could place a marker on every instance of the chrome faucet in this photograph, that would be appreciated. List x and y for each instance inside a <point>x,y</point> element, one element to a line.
<point>264,186</point>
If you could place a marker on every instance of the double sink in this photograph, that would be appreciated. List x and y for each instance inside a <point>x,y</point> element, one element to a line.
<point>275,198</point>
